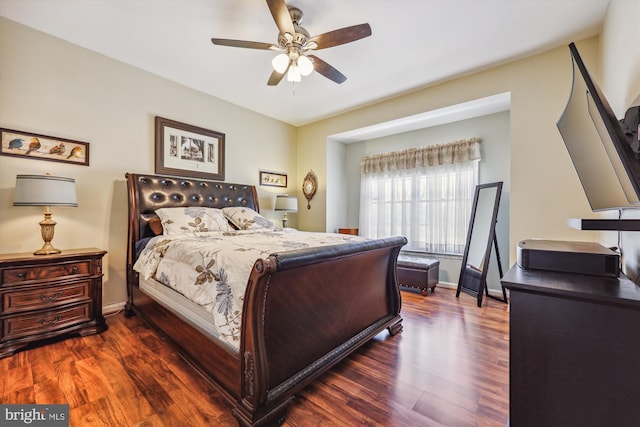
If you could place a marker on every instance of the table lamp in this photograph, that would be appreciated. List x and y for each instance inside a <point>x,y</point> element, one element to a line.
<point>286,204</point>
<point>47,191</point>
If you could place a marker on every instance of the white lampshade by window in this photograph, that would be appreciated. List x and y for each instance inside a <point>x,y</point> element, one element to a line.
<point>286,204</point>
<point>47,191</point>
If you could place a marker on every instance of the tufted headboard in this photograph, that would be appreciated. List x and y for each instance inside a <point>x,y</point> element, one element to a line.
<point>150,192</point>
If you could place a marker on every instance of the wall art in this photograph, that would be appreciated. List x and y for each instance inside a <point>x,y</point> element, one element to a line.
<point>273,179</point>
<point>29,145</point>
<point>189,151</point>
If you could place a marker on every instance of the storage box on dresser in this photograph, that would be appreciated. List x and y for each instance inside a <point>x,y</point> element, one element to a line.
<point>49,296</point>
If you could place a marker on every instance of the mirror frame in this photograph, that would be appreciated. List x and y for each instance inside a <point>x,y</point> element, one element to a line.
<point>471,280</point>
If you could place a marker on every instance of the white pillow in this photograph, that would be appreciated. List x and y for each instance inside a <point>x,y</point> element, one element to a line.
<point>246,218</point>
<point>191,219</point>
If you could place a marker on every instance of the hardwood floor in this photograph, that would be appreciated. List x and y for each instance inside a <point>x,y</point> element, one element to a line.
<point>449,367</point>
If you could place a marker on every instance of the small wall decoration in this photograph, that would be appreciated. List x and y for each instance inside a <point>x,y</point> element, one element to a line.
<point>273,179</point>
<point>190,151</point>
<point>309,187</point>
<point>30,145</point>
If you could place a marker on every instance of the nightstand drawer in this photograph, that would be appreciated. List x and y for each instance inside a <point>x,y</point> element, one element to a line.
<point>45,297</point>
<point>15,276</point>
<point>44,321</point>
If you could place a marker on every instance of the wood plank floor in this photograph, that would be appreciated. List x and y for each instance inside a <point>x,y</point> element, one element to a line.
<point>449,367</point>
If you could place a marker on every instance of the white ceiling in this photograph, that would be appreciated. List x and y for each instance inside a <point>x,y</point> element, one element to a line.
<point>414,43</point>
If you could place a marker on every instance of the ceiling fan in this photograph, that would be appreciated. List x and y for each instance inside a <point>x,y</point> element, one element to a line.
<point>295,43</point>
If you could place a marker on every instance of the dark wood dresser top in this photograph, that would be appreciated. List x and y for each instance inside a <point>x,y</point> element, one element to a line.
<point>620,291</point>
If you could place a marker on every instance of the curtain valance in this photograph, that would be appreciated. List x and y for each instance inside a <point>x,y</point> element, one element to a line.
<point>432,155</point>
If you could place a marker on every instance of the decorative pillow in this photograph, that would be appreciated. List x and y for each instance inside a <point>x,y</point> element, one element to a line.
<point>155,224</point>
<point>246,218</point>
<point>191,219</point>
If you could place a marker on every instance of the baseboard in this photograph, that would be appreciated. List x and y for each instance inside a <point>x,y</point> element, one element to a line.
<point>447,285</point>
<point>440,284</point>
<point>111,309</point>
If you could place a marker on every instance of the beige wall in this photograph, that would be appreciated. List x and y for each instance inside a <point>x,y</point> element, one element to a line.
<point>51,87</point>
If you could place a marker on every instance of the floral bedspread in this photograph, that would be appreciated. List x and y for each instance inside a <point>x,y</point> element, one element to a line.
<point>212,268</point>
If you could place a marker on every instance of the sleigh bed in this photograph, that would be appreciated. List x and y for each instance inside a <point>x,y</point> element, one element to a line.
<point>303,310</point>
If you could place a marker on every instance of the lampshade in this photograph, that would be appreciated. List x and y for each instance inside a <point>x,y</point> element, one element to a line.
<point>45,190</point>
<point>294,63</point>
<point>305,65</point>
<point>286,203</point>
<point>280,63</point>
<point>293,75</point>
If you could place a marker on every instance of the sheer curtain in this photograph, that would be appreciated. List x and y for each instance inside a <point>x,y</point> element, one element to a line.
<point>424,194</point>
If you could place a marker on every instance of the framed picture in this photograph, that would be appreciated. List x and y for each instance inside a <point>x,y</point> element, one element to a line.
<point>273,179</point>
<point>30,145</point>
<point>190,151</point>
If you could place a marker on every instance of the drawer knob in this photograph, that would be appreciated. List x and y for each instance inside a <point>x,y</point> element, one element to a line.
<point>49,321</point>
<point>74,269</point>
<point>21,275</point>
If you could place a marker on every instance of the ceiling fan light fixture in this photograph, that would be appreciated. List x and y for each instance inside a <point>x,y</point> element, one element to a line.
<point>294,42</point>
<point>294,74</point>
<point>280,63</point>
<point>305,65</point>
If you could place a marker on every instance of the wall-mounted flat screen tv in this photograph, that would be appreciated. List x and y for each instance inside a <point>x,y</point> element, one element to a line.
<point>601,151</point>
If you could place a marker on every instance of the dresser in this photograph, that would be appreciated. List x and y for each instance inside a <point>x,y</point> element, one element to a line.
<point>574,349</point>
<point>49,296</point>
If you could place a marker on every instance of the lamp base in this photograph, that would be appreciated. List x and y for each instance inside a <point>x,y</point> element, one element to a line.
<point>47,249</point>
<point>47,227</point>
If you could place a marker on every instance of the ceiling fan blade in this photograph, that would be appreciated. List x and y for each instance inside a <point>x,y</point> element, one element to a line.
<point>276,77</point>
<point>245,44</point>
<point>341,36</point>
<point>280,14</point>
<point>327,70</point>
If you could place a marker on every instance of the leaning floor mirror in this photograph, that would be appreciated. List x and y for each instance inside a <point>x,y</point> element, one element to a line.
<point>481,238</point>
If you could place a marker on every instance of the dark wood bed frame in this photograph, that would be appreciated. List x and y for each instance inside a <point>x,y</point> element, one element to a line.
<point>304,310</point>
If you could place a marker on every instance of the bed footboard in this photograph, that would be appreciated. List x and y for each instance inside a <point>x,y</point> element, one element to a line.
<point>306,310</point>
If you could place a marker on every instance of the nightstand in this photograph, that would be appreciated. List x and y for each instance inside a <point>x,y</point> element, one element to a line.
<point>49,296</point>
<point>353,231</point>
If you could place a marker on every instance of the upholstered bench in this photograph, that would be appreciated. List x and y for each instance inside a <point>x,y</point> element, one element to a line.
<point>418,272</point>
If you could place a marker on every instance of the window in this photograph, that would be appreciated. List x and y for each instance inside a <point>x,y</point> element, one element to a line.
<point>428,204</point>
